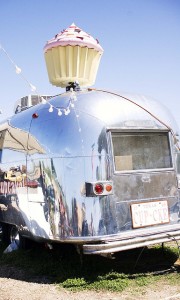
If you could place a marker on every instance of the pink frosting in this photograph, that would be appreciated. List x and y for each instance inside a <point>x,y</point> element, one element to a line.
<point>73,36</point>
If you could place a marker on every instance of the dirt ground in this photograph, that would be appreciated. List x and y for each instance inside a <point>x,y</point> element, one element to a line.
<point>16,285</point>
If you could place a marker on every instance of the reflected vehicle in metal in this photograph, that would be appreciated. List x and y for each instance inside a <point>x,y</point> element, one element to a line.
<point>100,172</point>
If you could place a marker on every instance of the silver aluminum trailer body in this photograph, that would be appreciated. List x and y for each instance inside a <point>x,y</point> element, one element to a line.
<point>104,176</point>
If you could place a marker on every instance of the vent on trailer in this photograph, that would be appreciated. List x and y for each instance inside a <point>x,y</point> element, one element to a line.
<point>28,101</point>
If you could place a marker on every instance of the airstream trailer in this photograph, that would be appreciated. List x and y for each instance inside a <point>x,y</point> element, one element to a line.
<point>93,168</point>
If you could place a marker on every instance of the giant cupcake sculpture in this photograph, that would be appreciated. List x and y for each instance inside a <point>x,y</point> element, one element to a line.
<point>72,56</point>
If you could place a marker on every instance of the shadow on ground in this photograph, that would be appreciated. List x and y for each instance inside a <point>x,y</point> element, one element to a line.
<point>42,265</point>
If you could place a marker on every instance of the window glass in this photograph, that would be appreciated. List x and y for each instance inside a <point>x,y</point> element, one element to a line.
<point>137,151</point>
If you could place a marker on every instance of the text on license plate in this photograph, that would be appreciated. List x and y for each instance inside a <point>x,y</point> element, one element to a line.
<point>149,213</point>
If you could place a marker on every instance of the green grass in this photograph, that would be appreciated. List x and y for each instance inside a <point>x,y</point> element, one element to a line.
<point>64,267</point>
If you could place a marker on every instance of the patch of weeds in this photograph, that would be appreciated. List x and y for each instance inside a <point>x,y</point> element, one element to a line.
<point>145,280</point>
<point>117,285</point>
<point>173,278</point>
<point>75,284</point>
<point>112,282</point>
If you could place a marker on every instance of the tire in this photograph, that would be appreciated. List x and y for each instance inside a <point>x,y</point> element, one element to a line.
<point>10,234</point>
<point>14,235</point>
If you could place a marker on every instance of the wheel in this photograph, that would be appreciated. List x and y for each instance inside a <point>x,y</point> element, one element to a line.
<point>15,236</point>
<point>10,234</point>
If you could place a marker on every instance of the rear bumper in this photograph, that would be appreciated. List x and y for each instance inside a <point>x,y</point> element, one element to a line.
<point>132,240</point>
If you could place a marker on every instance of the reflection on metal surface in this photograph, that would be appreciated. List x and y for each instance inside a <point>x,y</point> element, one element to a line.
<point>11,179</point>
<point>14,174</point>
<point>16,139</point>
<point>125,156</point>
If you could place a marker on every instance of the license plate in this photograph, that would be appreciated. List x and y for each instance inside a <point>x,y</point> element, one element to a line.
<point>149,213</point>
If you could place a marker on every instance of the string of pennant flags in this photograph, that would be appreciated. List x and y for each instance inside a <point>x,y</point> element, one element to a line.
<point>60,111</point>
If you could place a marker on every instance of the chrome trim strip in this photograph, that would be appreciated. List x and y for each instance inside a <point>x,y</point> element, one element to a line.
<point>131,243</point>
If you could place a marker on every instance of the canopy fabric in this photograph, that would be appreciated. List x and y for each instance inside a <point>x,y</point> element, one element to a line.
<point>17,139</point>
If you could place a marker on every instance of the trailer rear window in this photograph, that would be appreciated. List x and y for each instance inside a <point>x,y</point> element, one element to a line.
<point>137,151</point>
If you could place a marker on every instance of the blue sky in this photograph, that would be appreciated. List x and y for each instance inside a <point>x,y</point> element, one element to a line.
<point>141,41</point>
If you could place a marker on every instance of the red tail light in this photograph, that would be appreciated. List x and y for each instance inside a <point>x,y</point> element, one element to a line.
<point>98,188</point>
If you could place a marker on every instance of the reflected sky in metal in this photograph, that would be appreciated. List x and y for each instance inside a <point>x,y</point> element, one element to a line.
<point>71,150</point>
